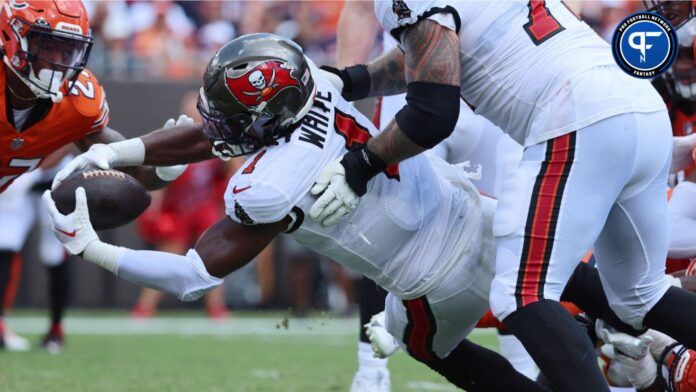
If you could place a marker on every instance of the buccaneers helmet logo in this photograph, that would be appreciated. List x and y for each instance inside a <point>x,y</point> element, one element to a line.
<point>261,83</point>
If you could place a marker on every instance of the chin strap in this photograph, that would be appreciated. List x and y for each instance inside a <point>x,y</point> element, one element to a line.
<point>55,97</point>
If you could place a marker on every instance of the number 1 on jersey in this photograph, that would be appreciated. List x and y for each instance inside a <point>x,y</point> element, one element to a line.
<point>542,25</point>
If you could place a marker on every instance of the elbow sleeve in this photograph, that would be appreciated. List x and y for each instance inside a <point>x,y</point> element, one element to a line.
<point>430,114</point>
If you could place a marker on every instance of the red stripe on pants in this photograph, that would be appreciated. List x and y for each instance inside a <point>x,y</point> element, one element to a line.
<point>419,330</point>
<point>546,202</point>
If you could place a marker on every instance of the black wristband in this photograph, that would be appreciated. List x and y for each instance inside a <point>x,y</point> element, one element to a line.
<point>361,165</point>
<point>356,81</point>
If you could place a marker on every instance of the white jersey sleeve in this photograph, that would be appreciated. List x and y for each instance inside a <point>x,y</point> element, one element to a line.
<point>396,15</point>
<point>253,202</point>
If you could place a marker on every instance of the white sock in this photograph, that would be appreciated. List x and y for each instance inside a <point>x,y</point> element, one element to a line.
<point>366,359</point>
<point>513,350</point>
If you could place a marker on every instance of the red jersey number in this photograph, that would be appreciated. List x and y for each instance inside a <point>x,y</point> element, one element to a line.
<point>542,25</point>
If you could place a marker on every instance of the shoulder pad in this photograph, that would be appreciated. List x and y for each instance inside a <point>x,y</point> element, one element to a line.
<point>88,99</point>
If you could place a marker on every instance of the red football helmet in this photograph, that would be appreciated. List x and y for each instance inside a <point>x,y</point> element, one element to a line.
<point>681,370</point>
<point>45,43</point>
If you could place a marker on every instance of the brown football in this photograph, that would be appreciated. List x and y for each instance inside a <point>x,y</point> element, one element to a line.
<point>113,197</point>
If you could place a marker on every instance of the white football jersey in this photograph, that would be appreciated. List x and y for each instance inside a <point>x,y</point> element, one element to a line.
<point>418,223</point>
<point>531,67</point>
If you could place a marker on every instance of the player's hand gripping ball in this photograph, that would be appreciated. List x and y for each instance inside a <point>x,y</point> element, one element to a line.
<point>113,198</point>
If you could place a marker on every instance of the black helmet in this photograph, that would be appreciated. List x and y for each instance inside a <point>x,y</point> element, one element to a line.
<point>255,90</point>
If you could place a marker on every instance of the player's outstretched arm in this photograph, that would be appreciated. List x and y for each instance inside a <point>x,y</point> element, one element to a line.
<point>147,175</point>
<point>228,246</point>
<point>224,248</point>
<point>179,142</point>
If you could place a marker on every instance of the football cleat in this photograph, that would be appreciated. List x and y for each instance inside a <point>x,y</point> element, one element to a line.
<point>140,312</point>
<point>217,312</point>
<point>14,342</point>
<point>371,380</point>
<point>382,342</point>
<point>54,341</point>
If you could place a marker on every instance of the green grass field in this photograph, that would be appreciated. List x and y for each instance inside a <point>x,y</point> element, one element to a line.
<point>185,352</point>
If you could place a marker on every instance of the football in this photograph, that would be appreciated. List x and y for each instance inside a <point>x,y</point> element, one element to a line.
<point>113,197</point>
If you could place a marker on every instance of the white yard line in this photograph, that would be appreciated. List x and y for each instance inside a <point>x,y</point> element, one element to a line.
<point>196,326</point>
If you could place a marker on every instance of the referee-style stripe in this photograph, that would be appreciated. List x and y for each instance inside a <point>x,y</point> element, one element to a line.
<point>420,330</point>
<point>542,218</point>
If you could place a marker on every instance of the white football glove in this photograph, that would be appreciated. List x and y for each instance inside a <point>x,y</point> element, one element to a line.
<point>634,347</point>
<point>382,342</point>
<point>99,155</point>
<point>74,230</point>
<point>171,173</point>
<point>337,199</point>
<point>640,372</point>
<point>616,373</point>
<point>660,341</point>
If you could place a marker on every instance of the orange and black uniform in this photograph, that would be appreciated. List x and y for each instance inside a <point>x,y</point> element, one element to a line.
<point>48,127</point>
<point>82,111</point>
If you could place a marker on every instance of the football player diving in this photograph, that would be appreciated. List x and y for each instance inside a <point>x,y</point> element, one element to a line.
<point>422,231</point>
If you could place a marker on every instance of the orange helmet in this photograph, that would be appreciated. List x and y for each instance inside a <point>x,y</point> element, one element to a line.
<point>45,43</point>
<point>681,369</point>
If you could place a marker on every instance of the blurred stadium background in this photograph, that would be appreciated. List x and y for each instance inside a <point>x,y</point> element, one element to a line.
<point>150,57</point>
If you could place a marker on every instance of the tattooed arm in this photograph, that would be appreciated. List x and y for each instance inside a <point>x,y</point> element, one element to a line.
<point>431,54</point>
<point>387,74</point>
<point>430,72</point>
